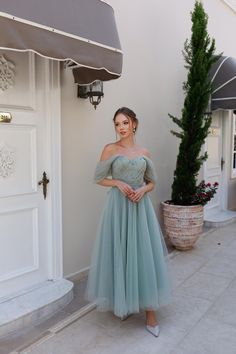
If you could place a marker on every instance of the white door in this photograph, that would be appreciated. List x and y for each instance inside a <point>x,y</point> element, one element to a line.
<point>25,216</point>
<point>214,166</point>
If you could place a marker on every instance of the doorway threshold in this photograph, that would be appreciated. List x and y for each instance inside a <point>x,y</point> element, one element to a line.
<point>31,307</point>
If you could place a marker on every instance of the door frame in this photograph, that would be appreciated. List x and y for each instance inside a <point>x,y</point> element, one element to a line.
<point>226,137</point>
<point>53,112</point>
<point>225,116</point>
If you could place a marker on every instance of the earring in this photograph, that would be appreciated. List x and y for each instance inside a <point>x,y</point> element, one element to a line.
<point>134,130</point>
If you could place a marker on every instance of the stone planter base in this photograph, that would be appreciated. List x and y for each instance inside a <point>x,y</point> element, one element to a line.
<point>183,224</point>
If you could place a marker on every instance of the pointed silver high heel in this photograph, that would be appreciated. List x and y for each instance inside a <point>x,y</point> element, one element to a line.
<point>153,330</point>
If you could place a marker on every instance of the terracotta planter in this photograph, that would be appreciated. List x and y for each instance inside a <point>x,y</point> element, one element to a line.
<point>183,224</point>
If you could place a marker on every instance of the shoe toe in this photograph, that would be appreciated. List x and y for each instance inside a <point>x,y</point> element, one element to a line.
<point>153,330</point>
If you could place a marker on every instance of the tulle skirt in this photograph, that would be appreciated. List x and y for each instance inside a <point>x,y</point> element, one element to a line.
<point>129,261</point>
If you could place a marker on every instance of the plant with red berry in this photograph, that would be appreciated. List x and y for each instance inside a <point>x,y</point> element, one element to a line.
<point>204,193</point>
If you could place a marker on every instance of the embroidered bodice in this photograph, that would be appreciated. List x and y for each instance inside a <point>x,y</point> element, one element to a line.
<point>133,171</point>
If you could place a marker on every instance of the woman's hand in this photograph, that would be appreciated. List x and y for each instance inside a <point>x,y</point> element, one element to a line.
<point>125,188</point>
<point>138,194</point>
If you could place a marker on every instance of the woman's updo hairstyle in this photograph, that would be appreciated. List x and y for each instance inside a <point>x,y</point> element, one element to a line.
<point>129,114</point>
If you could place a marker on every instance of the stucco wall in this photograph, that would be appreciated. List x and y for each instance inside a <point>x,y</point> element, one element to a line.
<point>152,34</point>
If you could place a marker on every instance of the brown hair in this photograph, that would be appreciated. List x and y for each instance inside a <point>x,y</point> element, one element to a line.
<point>129,114</point>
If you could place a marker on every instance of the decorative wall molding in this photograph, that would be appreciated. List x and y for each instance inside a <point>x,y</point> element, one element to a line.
<point>231,4</point>
<point>18,142</point>
<point>7,74</point>
<point>26,74</point>
<point>7,160</point>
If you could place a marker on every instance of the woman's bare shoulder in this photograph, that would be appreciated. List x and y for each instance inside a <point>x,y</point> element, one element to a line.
<point>108,151</point>
<point>145,152</point>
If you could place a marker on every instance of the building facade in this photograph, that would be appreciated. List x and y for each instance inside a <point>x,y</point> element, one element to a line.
<point>56,241</point>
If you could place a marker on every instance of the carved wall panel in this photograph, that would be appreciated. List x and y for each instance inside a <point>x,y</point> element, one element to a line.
<point>17,160</point>
<point>17,80</point>
<point>7,160</point>
<point>7,74</point>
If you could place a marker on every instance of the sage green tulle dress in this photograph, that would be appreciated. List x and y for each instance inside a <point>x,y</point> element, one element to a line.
<point>129,260</point>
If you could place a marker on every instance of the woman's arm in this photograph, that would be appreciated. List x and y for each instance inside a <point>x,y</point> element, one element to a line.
<point>122,186</point>
<point>108,151</point>
<point>148,187</point>
<point>139,193</point>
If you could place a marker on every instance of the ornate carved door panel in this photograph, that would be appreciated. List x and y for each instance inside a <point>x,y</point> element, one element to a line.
<point>24,220</point>
<point>214,166</point>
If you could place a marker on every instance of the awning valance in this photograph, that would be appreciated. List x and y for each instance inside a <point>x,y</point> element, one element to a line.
<point>223,76</point>
<point>81,32</point>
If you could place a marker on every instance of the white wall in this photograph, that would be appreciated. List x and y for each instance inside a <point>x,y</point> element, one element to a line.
<point>152,34</point>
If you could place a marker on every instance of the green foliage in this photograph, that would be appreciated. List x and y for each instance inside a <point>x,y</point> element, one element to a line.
<point>205,192</point>
<point>199,55</point>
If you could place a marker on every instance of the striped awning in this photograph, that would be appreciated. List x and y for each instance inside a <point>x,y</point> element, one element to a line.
<point>223,77</point>
<point>82,33</point>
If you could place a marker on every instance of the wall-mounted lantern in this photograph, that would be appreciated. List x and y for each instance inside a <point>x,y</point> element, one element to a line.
<point>93,91</point>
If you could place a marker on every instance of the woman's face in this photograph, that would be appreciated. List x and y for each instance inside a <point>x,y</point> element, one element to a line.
<point>123,125</point>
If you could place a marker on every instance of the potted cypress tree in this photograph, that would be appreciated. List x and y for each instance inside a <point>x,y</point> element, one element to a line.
<point>183,214</point>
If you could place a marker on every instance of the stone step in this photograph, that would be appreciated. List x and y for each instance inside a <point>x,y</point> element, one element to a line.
<point>34,305</point>
<point>219,218</point>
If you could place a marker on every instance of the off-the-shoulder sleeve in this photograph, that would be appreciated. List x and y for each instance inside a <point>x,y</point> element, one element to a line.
<point>103,169</point>
<point>150,173</point>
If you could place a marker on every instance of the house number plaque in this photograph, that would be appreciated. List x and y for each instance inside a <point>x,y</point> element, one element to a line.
<point>5,117</point>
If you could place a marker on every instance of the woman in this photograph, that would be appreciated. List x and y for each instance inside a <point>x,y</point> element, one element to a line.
<point>128,269</point>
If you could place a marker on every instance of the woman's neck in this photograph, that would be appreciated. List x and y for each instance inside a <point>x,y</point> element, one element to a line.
<point>127,143</point>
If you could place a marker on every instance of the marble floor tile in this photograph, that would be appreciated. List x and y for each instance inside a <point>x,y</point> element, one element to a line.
<point>23,338</point>
<point>204,285</point>
<point>219,235</point>
<point>184,311</point>
<point>224,308</point>
<point>133,326</point>
<point>168,339</point>
<point>82,337</point>
<point>221,266</point>
<point>210,336</point>
<point>206,248</point>
<point>232,287</point>
<point>87,337</point>
<point>230,228</point>
<point>183,265</point>
<point>229,249</point>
